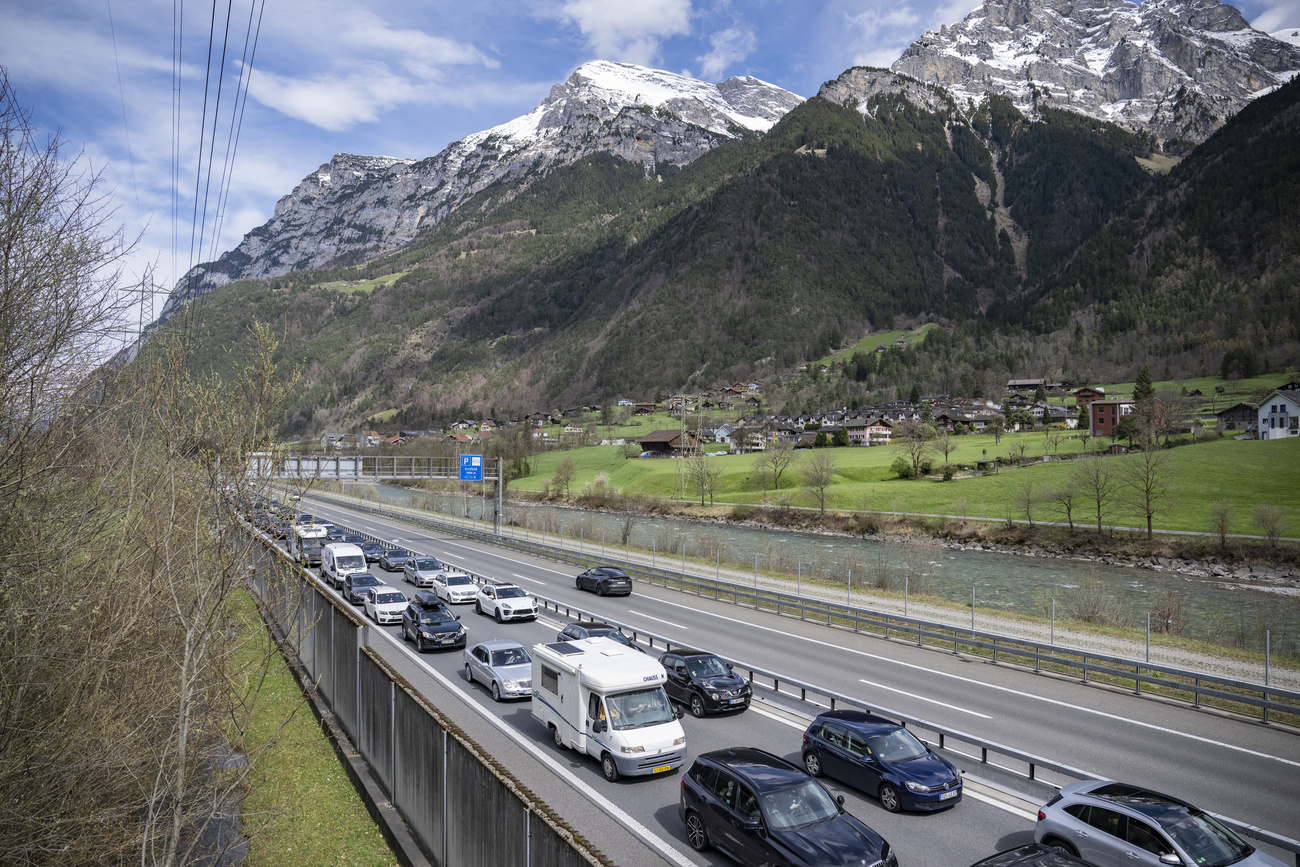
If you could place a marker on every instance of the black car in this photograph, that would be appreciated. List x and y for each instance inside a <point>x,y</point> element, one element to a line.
<point>879,757</point>
<point>354,539</point>
<point>1033,855</point>
<point>372,550</point>
<point>355,585</point>
<point>605,581</point>
<point>760,809</point>
<point>335,533</point>
<point>393,559</point>
<point>576,631</point>
<point>703,682</point>
<point>429,623</point>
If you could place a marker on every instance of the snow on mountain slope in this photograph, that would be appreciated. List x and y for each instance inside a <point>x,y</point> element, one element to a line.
<point>356,206</point>
<point>1176,68</point>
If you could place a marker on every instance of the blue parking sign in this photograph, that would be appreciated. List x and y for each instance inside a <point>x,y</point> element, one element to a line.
<point>471,468</point>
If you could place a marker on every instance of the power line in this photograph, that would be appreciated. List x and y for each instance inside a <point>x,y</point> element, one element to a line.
<point>237,124</point>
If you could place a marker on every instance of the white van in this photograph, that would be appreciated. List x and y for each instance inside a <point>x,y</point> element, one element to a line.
<point>340,559</point>
<point>608,701</point>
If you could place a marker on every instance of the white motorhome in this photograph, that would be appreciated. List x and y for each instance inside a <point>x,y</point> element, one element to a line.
<point>340,559</point>
<point>305,543</point>
<point>601,698</point>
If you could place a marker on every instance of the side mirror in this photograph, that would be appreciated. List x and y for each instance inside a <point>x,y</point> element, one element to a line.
<point>598,726</point>
<point>729,666</point>
<point>839,801</point>
<point>457,616</point>
<point>1171,859</point>
<point>679,713</point>
<point>754,825</point>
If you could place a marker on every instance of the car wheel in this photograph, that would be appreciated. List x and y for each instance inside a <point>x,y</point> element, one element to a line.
<point>496,691</point>
<point>1061,846</point>
<point>697,706</point>
<point>469,674</point>
<point>696,834</point>
<point>419,642</point>
<point>609,767</point>
<point>889,798</point>
<point>478,609</point>
<point>559,738</point>
<point>600,589</point>
<point>812,764</point>
<point>405,636</point>
<point>578,583</point>
<point>497,615</point>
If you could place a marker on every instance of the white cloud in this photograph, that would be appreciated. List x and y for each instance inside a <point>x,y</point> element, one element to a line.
<point>631,30</point>
<point>728,47</point>
<point>334,101</point>
<point>880,35</point>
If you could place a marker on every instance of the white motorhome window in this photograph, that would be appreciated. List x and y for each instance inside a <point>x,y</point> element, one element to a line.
<point>644,707</point>
<point>550,680</point>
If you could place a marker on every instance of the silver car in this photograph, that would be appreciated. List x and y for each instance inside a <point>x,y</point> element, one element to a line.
<point>421,571</point>
<point>1105,823</point>
<point>504,667</point>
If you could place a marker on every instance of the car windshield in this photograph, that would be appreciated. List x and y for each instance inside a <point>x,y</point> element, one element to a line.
<point>355,561</point>
<point>426,564</point>
<point>459,579</point>
<point>355,540</point>
<point>707,666</point>
<point>611,573</point>
<point>900,745</point>
<point>797,806</point>
<point>644,707</point>
<point>510,593</point>
<point>611,633</point>
<point>1209,843</point>
<point>511,656</point>
<point>389,598</point>
<point>397,555</point>
<point>434,615</point>
<point>365,579</point>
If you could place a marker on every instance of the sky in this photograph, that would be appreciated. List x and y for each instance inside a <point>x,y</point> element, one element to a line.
<point>378,77</point>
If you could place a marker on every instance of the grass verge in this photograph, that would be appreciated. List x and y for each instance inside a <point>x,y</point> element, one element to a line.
<point>301,807</point>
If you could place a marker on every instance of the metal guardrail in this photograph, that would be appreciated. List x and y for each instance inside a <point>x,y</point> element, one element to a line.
<point>990,753</point>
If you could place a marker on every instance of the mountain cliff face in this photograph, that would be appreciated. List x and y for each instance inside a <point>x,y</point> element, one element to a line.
<point>355,206</point>
<point>1175,68</point>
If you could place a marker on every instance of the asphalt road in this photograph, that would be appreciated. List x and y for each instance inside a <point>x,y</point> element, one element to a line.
<point>1238,768</point>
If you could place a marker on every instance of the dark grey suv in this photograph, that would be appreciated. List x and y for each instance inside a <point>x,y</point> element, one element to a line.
<point>605,581</point>
<point>760,809</point>
<point>703,682</point>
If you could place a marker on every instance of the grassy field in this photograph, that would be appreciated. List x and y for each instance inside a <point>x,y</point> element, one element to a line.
<point>302,808</point>
<point>1233,390</point>
<point>363,285</point>
<point>383,417</point>
<point>869,344</point>
<point>1243,473</point>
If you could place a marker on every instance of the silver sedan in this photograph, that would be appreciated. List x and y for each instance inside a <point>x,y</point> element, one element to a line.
<point>503,666</point>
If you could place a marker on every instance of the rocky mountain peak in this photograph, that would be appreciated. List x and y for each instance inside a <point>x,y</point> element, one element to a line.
<point>1175,68</point>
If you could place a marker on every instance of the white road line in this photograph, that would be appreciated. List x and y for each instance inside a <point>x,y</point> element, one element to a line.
<point>526,578</point>
<point>969,680</point>
<point>754,708</point>
<point>665,848</point>
<point>994,802</point>
<point>449,554</point>
<point>923,698</point>
<point>657,620</point>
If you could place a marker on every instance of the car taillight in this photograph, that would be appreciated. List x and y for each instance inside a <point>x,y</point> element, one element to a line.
<point>1041,815</point>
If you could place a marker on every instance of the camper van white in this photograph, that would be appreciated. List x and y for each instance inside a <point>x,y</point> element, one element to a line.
<point>340,559</point>
<point>608,701</point>
<point>305,542</point>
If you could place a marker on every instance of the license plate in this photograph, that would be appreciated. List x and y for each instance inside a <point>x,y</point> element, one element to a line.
<point>737,701</point>
<point>948,795</point>
<point>446,640</point>
<point>661,769</point>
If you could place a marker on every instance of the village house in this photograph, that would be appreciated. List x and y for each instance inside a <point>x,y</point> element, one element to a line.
<point>1239,416</point>
<point>1087,394</point>
<point>1105,415</point>
<point>1278,415</point>
<point>669,443</point>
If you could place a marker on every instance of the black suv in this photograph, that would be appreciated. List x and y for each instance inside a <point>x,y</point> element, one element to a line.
<point>760,809</point>
<point>578,631</point>
<point>703,682</point>
<point>429,623</point>
<point>605,581</point>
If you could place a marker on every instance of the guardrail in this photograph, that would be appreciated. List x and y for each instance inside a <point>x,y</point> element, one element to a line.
<point>990,753</point>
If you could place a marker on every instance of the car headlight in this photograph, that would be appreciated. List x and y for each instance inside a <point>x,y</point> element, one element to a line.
<point>916,787</point>
<point>428,635</point>
<point>511,684</point>
<point>681,740</point>
<point>631,749</point>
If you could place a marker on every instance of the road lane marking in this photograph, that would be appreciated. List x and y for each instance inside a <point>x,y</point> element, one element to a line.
<point>923,698</point>
<point>526,578</point>
<point>968,792</point>
<point>663,846</point>
<point>1053,701</point>
<point>657,620</point>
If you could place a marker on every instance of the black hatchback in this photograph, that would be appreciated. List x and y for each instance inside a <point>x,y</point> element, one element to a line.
<point>760,809</point>
<point>703,682</point>
<point>605,581</point>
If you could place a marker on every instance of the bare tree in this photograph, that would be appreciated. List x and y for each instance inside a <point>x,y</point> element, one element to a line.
<point>1025,499</point>
<point>1221,522</point>
<point>1270,519</point>
<point>1067,498</point>
<point>776,459</point>
<point>1170,616</point>
<point>818,473</point>
<point>1085,434</point>
<point>1146,486</point>
<point>1097,485</point>
<point>1020,446</point>
<point>945,443</point>
<point>703,474</point>
<point>916,444</point>
<point>565,470</point>
<point>997,426</point>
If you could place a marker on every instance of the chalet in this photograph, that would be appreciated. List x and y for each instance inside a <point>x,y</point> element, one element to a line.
<point>751,401</point>
<point>669,443</point>
<point>722,434</point>
<point>644,409</point>
<point>1087,394</point>
<point>1278,415</point>
<point>1025,384</point>
<point>395,441</point>
<point>1239,416</point>
<point>464,424</point>
<point>488,425</point>
<point>572,429</point>
<point>330,441</point>
<point>1104,416</point>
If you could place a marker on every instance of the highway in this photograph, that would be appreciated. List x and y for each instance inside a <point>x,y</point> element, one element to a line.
<point>1242,769</point>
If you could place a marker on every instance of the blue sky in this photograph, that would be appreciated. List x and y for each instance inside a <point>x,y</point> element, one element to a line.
<point>386,77</point>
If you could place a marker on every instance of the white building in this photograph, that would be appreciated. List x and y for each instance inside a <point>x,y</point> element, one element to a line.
<point>1279,413</point>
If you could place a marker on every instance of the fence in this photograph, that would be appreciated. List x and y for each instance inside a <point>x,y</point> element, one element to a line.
<point>463,808</point>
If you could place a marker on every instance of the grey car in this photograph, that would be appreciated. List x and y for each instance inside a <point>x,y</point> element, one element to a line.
<point>1105,822</point>
<point>421,571</point>
<point>503,666</point>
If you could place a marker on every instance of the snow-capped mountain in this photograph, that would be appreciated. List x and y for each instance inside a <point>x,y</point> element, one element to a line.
<point>356,206</point>
<point>1175,68</point>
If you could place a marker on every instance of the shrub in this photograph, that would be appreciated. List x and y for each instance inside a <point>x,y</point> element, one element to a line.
<point>948,471</point>
<point>901,467</point>
<point>743,513</point>
<point>927,466</point>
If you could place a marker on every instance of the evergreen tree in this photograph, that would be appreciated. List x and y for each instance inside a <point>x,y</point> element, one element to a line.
<point>1040,396</point>
<point>915,397</point>
<point>1143,389</point>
